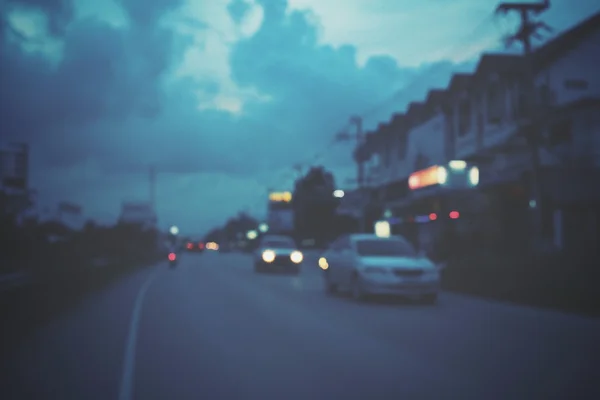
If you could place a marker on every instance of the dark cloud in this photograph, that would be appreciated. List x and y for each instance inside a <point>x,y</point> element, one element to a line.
<point>106,103</point>
<point>59,12</point>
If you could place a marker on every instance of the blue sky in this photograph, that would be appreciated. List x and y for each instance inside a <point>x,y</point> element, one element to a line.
<point>224,97</point>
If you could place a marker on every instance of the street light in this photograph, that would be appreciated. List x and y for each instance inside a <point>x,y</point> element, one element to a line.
<point>251,235</point>
<point>263,227</point>
<point>174,230</point>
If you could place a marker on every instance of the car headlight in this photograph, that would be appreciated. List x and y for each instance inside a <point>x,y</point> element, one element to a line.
<point>268,256</point>
<point>323,264</point>
<point>375,270</point>
<point>296,257</point>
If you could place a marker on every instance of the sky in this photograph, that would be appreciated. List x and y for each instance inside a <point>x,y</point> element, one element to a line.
<point>223,97</point>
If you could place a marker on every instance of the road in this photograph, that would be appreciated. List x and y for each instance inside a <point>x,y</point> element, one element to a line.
<point>212,329</point>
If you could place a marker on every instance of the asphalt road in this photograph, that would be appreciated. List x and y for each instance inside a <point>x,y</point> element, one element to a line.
<point>212,329</point>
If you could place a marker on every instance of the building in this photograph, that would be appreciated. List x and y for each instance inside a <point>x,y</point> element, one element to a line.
<point>482,120</point>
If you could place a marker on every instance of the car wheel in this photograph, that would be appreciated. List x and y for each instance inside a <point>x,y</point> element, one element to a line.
<point>358,293</point>
<point>430,298</point>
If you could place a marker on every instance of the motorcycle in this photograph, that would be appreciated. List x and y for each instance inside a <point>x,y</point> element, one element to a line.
<point>172,260</point>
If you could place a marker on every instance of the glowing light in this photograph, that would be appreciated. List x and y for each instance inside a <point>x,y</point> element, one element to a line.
<point>296,257</point>
<point>263,227</point>
<point>434,175</point>
<point>442,175</point>
<point>338,193</point>
<point>190,246</point>
<point>454,214</point>
<point>268,256</point>
<point>323,263</point>
<point>383,229</point>
<point>280,197</point>
<point>432,216</point>
<point>457,165</point>
<point>172,256</point>
<point>251,235</point>
<point>174,230</point>
<point>474,176</point>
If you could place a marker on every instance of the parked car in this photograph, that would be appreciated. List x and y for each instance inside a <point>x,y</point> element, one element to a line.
<point>366,264</point>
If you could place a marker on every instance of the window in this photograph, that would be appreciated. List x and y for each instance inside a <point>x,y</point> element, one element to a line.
<point>561,133</point>
<point>402,145</point>
<point>495,104</point>
<point>464,117</point>
<point>386,156</point>
<point>384,248</point>
<point>280,243</point>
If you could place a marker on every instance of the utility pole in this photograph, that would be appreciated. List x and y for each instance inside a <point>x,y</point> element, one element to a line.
<point>152,177</point>
<point>527,30</point>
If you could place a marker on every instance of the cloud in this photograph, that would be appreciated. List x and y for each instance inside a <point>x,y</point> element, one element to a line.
<point>223,97</point>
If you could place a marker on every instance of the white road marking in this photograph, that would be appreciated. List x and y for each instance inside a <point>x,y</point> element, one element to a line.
<point>126,388</point>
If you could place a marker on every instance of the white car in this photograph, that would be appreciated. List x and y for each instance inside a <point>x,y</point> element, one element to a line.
<point>367,264</point>
<point>277,253</point>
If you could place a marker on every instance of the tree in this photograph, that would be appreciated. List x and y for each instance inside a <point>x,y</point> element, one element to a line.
<point>315,206</point>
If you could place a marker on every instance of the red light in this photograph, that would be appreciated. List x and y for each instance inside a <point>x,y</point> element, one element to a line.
<point>454,215</point>
<point>201,245</point>
<point>189,245</point>
<point>433,216</point>
<point>172,256</point>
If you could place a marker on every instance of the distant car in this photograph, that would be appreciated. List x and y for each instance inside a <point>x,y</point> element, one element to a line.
<point>277,253</point>
<point>366,264</point>
<point>195,246</point>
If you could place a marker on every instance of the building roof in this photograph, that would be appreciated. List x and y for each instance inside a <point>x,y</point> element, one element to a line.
<point>415,111</point>
<point>565,42</point>
<point>498,63</point>
<point>459,82</point>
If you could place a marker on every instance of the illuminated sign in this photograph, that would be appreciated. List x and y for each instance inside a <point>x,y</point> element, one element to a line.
<point>280,197</point>
<point>434,175</point>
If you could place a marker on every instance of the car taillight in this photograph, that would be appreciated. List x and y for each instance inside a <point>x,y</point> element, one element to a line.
<point>172,256</point>
<point>201,245</point>
<point>190,246</point>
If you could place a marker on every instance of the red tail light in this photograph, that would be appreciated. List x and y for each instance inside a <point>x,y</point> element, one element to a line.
<point>454,214</point>
<point>201,245</point>
<point>190,246</point>
<point>172,256</point>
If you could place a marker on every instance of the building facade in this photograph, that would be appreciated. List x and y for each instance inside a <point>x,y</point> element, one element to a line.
<point>486,120</point>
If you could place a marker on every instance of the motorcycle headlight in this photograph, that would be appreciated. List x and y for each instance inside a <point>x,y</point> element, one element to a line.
<point>296,257</point>
<point>268,256</point>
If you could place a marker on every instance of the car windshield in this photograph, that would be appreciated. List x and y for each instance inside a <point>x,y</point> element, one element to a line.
<point>279,243</point>
<point>384,248</point>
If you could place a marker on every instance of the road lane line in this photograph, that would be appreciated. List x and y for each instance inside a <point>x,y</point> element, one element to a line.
<point>126,388</point>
